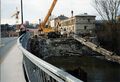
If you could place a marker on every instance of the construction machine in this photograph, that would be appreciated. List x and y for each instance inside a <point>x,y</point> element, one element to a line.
<point>48,30</point>
<point>16,15</point>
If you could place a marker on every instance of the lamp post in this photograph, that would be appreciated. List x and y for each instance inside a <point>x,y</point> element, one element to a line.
<point>0,37</point>
<point>22,27</point>
<point>21,12</point>
<point>39,21</point>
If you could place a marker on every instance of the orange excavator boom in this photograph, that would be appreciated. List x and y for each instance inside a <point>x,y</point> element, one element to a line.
<point>42,25</point>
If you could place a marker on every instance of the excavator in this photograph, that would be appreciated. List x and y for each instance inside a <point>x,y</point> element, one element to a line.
<point>50,32</point>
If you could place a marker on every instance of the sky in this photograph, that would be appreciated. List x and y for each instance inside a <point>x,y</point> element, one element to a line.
<point>37,9</point>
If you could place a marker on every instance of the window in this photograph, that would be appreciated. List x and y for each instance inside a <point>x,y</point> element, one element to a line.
<point>64,29</point>
<point>88,20</point>
<point>85,27</point>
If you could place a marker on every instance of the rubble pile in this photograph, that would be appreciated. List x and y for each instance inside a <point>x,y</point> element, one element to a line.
<point>42,47</point>
<point>61,47</point>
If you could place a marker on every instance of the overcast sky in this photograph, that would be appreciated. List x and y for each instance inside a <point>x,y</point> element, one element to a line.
<point>37,9</point>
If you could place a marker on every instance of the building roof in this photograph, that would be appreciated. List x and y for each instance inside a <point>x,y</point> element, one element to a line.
<point>61,17</point>
<point>85,15</point>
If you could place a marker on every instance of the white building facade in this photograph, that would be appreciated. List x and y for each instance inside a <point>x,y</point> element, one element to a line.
<point>84,24</point>
<point>79,24</point>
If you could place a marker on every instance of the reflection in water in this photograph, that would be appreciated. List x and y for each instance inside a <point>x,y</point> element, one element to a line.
<point>98,70</point>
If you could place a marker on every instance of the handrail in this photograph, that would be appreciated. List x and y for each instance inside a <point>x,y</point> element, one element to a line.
<point>56,73</point>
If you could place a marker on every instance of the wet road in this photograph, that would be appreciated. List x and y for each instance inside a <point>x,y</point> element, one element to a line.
<point>7,44</point>
<point>11,62</point>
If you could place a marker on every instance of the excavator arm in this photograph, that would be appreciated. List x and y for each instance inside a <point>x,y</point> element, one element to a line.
<point>42,25</point>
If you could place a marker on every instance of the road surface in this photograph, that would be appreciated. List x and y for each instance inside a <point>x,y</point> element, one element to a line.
<point>7,43</point>
<point>11,64</point>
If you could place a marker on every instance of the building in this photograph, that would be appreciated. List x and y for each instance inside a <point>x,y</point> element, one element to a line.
<point>56,21</point>
<point>68,25</point>
<point>80,24</point>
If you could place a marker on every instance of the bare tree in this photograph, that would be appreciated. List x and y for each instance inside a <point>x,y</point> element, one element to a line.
<point>107,9</point>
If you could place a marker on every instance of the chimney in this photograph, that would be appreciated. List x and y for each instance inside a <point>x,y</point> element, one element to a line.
<point>72,13</point>
<point>85,14</point>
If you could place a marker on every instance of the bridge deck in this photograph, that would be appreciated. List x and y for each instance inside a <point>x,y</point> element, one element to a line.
<point>11,66</point>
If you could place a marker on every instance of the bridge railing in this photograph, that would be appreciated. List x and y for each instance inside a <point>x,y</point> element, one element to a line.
<point>37,70</point>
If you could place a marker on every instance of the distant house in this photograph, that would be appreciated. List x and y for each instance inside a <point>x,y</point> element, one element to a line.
<point>85,24</point>
<point>68,25</point>
<point>8,30</point>
<point>56,21</point>
<point>80,24</point>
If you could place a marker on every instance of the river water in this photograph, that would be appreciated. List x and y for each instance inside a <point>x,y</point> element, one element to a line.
<point>97,69</point>
<point>70,55</point>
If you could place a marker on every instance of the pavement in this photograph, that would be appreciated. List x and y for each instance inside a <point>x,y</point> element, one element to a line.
<point>6,44</point>
<point>6,40</point>
<point>1,45</point>
<point>11,66</point>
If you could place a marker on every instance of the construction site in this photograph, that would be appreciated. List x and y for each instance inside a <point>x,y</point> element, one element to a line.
<point>68,49</point>
<point>70,43</point>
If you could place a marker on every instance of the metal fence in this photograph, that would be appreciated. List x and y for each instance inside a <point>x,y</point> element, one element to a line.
<point>37,70</point>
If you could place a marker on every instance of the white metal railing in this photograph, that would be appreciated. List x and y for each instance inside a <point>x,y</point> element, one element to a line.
<point>57,74</point>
